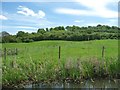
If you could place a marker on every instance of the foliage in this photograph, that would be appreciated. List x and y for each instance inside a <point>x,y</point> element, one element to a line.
<point>38,61</point>
<point>70,33</point>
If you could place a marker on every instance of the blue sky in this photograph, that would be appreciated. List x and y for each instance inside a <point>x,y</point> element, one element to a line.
<point>29,16</point>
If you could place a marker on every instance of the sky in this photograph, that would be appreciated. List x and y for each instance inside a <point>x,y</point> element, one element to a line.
<point>29,16</point>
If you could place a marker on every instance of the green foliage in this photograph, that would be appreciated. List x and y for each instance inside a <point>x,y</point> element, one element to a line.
<point>70,33</point>
<point>8,39</point>
<point>79,60</point>
<point>21,34</point>
<point>42,31</point>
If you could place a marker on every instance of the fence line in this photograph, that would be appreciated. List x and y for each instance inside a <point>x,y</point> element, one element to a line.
<point>59,54</point>
<point>6,51</point>
<point>103,51</point>
<point>14,51</point>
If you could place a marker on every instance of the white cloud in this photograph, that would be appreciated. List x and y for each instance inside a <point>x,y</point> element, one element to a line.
<point>3,17</point>
<point>70,11</point>
<point>96,4</point>
<point>27,22</point>
<point>41,14</point>
<point>94,8</point>
<point>25,11</point>
<point>28,12</point>
<point>78,21</point>
<point>15,29</point>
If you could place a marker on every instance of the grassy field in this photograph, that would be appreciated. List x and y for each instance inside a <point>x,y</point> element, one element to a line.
<point>39,61</point>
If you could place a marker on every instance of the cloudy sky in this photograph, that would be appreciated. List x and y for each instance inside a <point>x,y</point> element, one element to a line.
<point>29,16</point>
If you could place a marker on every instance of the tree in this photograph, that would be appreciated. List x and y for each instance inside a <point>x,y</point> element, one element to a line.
<point>9,39</point>
<point>72,33</point>
<point>41,30</point>
<point>99,25</point>
<point>51,29</point>
<point>47,29</point>
<point>20,34</point>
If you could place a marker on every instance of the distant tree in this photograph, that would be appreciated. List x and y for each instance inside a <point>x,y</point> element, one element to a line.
<point>47,29</point>
<point>72,33</point>
<point>69,28</point>
<point>20,34</point>
<point>41,30</point>
<point>9,39</point>
<point>27,40</point>
<point>99,25</point>
<point>107,27</point>
<point>51,29</point>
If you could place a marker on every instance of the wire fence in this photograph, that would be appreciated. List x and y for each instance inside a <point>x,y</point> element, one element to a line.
<point>60,51</point>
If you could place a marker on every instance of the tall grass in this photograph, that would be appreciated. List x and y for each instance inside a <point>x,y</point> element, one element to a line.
<point>79,60</point>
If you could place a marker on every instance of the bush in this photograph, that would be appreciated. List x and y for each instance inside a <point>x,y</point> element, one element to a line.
<point>28,40</point>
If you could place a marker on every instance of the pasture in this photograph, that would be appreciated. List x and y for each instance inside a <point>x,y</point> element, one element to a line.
<point>74,60</point>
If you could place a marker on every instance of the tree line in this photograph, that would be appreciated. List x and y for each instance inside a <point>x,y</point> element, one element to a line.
<point>69,33</point>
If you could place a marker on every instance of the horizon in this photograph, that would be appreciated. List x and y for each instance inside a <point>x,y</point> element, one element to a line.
<point>53,27</point>
<point>30,16</point>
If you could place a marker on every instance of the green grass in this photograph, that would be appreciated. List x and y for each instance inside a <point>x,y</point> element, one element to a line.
<point>38,61</point>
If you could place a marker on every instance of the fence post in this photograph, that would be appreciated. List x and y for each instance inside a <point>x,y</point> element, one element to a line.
<point>5,53</point>
<point>13,64</point>
<point>103,51</point>
<point>59,49</point>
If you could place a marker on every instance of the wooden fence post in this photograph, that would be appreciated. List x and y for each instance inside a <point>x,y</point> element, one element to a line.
<point>103,51</point>
<point>59,49</point>
<point>5,53</point>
